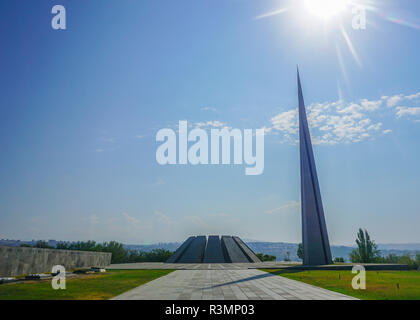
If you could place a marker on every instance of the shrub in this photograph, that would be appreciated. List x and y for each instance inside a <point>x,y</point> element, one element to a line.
<point>119,253</point>
<point>300,251</point>
<point>265,257</point>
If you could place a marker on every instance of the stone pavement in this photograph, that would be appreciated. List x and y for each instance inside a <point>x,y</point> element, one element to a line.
<point>243,266</point>
<point>195,266</point>
<point>232,284</point>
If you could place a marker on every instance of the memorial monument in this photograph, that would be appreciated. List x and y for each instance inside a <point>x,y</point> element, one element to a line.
<point>227,249</point>
<point>316,246</point>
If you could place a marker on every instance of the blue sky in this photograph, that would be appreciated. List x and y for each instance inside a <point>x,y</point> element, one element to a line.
<point>81,107</point>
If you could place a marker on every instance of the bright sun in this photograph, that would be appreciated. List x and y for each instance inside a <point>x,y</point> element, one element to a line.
<point>326,8</point>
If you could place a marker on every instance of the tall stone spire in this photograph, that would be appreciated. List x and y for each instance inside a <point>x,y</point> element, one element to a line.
<point>316,246</point>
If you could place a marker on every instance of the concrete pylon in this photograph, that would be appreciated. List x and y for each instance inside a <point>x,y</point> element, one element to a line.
<point>316,245</point>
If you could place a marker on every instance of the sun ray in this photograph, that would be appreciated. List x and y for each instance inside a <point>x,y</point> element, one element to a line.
<point>341,62</point>
<point>350,45</point>
<point>331,14</point>
<point>270,14</point>
<point>339,92</point>
<point>393,18</point>
<point>399,21</point>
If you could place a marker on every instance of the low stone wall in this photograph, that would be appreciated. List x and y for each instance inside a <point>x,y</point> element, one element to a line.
<point>21,260</point>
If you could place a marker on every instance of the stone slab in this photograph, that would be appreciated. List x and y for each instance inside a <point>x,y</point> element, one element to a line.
<point>219,284</point>
<point>248,252</point>
<point>214,253</point>
<point>195,251</point>
<point>245,266</point>
<point>234,252</point>
<point>21,260</point>
<point>180,251</point>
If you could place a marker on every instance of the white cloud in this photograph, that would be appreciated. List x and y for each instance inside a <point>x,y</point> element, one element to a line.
<point>370,105</point>
<point>131,219</point>
<point>209,109</point>
<point>210,124</point>
<point>158,182</point>
<point>375,127</point>
<point>196,221</point>
<point>341,122</point>
<point>413,96</point>
<point>396,99</point>
<point>93,219</point>
<point>289,206</point>
<point>286,122</point>
<point>407,111</point>
<point>105,143</point>
<point>209,223</point>
<point>331,122</point>
<point>163,218</point>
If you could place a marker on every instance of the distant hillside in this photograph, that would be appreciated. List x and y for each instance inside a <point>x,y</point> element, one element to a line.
<point>18,243</point>
<point>171,246</point>
<point>281,250</point>
<point>400,246</point>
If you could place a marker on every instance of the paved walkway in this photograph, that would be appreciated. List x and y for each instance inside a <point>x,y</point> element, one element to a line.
<point>199,266</point>
<point>244,266</point>
<point>246,284</point>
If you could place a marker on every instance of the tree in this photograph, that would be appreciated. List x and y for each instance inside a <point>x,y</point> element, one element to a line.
<point>265,257</point>
<point>300,251</point>
<point>338,259</point>
<point>367,250</point>
<point>80,245</point>
<point>391,258</point>
<point>43,244</point>
<point>119,254</point>
<point>156,255</point>
<point>406,259</point>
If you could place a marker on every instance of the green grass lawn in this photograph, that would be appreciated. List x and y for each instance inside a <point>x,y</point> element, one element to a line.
<point>380,285</point>
<point>86,287</point>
